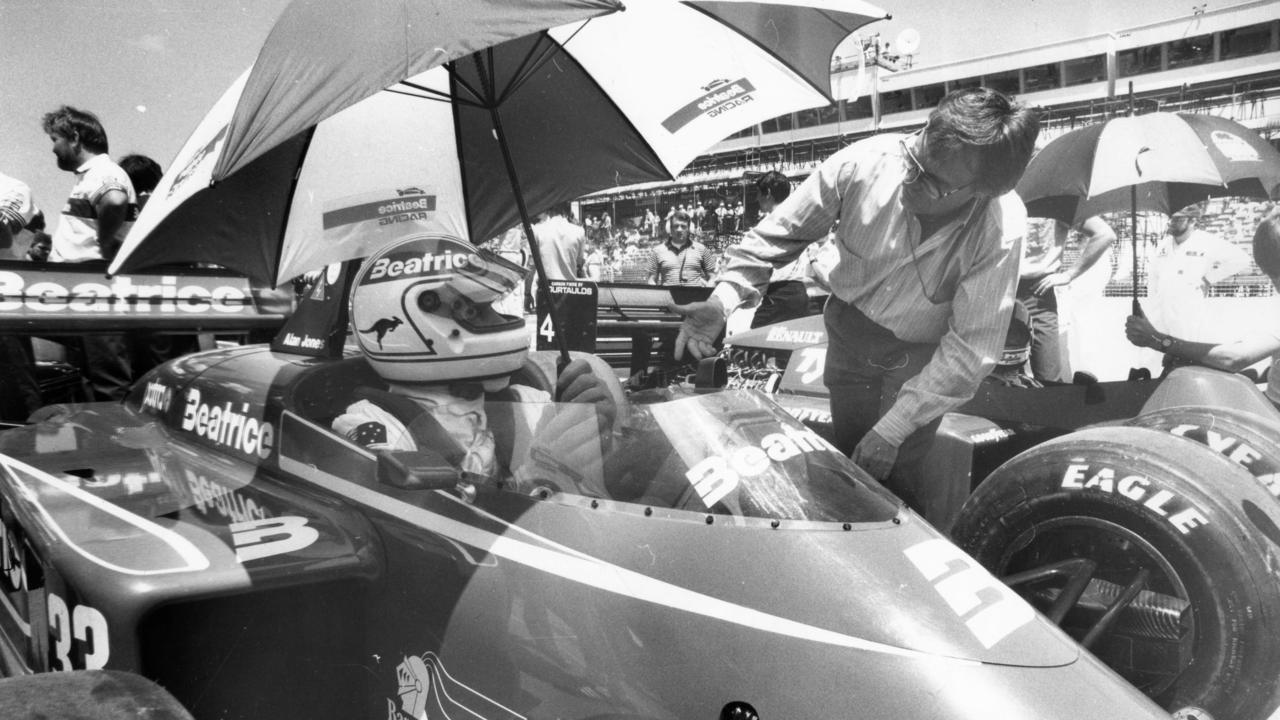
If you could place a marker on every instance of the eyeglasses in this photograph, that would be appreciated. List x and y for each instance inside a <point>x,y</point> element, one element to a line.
<point>917,174</point>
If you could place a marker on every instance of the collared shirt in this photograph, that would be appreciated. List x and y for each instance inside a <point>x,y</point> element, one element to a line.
<point>560,244</point>
<point>955,288</point>
<point>76,238</point>
<point>1178,273</point>
<point>16,206</point>
<point>691,265</point>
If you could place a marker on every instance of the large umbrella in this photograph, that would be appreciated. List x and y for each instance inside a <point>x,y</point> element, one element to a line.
<point>1160,162</point>
<point>305,161</point>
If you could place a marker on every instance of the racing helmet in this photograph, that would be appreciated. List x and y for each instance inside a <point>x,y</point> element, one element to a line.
<point>422,312</point>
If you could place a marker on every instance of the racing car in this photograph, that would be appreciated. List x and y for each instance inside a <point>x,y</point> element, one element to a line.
<point>691,554</point>
<point>1139,514</point>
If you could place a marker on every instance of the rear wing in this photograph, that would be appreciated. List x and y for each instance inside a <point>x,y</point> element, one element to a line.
<point>72,298</point>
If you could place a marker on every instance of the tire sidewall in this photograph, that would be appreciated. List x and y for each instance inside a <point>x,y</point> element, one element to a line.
<point>1250,441</point>
<point>1187,505</point>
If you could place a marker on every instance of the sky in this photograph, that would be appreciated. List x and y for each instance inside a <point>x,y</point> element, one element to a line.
<point>150,69</point>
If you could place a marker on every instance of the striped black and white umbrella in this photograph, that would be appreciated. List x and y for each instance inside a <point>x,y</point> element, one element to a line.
<point>322,153</point>
<point>1158,162</point>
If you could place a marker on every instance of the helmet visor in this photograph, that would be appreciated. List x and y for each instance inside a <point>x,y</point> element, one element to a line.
<point>486,276</point>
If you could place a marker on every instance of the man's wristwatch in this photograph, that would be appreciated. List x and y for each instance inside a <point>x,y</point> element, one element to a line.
<point>1165,342</point>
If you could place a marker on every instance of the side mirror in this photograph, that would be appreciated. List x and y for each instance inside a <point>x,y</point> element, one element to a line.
<point>713,374</point>
<point>417,470</point>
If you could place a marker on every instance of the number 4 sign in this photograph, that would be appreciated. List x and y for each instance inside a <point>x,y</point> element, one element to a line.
<point>575,304</point>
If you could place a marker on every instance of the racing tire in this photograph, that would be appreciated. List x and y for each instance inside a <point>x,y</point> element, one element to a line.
<point>87,695</point>
<point>1179,567</point>
<point>1249,440</point>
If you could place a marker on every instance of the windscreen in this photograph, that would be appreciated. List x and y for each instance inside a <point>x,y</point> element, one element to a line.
<point>729,453</point>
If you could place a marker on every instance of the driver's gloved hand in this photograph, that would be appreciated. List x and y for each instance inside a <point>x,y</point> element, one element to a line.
<point>579,383</point>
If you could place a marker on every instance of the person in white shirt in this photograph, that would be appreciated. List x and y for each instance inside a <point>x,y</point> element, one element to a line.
<point>593,266</point>
<point>929,235</point>
<point>1187,261</point>
<point>18,211</point>
<point>102,203</point>
<point>560,244</point>
<point>1234,354</point>
<point>98,213</point>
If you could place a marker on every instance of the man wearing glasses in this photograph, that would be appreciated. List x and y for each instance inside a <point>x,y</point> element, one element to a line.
<point>929,232</point>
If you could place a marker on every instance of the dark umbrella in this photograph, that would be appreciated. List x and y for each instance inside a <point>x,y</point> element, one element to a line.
<point>1160,162</point>
<point>506,130</point>
<point>544,117</point>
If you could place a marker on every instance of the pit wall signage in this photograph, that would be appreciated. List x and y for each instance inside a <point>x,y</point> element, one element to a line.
<point>576,304</point>
<point>47,291</point>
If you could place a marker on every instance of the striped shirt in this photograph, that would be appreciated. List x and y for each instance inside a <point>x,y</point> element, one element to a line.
<point>955,288</point>
<point>76,238</point>
<point>693,264</point>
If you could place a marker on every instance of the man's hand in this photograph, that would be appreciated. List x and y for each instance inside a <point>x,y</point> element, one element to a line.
<point>1141,332</point>
<point>40,247</point>
<point>579,383</point>
<point>875,455</point>
<point>703,323</point>
<point>1050,281</point>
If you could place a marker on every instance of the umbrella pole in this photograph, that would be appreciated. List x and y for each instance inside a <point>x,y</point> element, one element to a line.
<point>1133,222</point>
<point>1133,229</point>
<point>544,292</point>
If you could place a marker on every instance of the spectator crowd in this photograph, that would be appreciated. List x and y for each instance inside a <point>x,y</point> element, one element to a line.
<point>628,252</point>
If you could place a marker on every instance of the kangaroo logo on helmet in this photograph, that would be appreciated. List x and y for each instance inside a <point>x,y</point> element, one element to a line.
<point>382,326</point>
